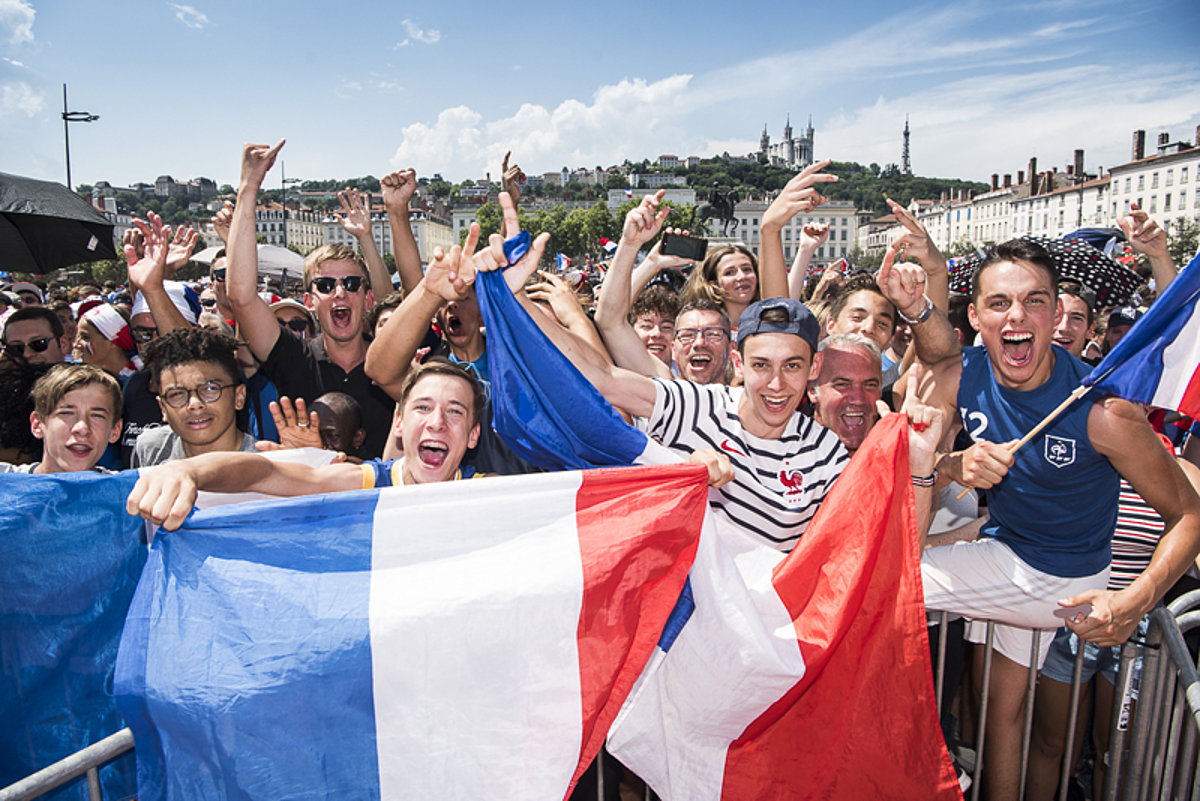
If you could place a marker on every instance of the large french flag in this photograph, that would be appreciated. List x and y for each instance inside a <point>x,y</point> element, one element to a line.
<point>1158,360</point>
<point>459,640</point>
<point>794,673</point>
<point>801,675</point>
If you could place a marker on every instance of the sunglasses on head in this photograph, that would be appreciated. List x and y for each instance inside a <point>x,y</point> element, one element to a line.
<point>218,274</point>
<point>325,284</point>
<point>208,303</point>
<point>295,324</point>
<point>35,345</point>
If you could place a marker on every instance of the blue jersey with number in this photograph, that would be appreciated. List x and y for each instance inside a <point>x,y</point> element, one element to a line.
<point>1057,506</point>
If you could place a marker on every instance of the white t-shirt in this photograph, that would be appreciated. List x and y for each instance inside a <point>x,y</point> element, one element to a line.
<point>778,483</point>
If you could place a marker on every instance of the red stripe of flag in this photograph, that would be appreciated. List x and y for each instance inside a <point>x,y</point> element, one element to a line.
<point>638,529</point>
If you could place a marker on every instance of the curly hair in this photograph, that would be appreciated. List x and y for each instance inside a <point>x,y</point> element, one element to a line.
<point>186,345</point>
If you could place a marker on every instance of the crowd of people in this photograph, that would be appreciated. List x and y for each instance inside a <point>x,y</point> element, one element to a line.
<point>769,376</point>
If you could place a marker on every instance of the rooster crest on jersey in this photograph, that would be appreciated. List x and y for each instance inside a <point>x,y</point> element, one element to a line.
<point>1060,451</point>
<point>793,483</point>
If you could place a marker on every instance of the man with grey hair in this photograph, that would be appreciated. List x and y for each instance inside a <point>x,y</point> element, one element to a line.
<point>845,384</point>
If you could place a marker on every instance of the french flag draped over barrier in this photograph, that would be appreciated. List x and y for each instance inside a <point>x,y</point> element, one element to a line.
<point>69,562</point>
<point>1158,360</point>
<point>795,672</point>
<point>458,640</point>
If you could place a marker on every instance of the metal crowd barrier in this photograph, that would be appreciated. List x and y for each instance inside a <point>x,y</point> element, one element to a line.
<point>1156,758</point>
<point>84,762</point>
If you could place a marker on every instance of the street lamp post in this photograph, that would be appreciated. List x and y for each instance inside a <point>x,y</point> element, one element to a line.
<point>283,182</point>
<point>68,117</point>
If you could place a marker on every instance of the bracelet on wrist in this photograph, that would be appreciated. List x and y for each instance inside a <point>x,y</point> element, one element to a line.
<point>920,318</point>
<point>926,481</point>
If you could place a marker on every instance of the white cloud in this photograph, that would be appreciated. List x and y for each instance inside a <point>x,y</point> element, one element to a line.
<point>415,32</point>
<point>623,119</point>
<point>190,16</point>
<point>20,98</point>
<point>17,16</point>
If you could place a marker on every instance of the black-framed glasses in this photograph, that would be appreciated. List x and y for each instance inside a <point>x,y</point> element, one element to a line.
<point>295,324</point>
<point>208,392</point>
<point>35,345</point>
<point>219,274</point>
<point>143,333</point>
<point>711,333</point>
<point>325,284</point>
<point>208,303</point>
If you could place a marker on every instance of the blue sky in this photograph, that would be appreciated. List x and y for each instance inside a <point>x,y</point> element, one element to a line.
<point>362,87</point>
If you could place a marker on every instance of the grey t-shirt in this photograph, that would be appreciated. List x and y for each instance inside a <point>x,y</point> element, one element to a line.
<point>158,445</point>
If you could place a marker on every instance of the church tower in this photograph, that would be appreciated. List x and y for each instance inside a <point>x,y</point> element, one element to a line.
<point>789,143</point>
<point>764,143</point>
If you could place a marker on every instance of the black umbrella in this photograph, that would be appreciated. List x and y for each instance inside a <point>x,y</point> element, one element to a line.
<point>1113,282</point>
<point>44,226</point>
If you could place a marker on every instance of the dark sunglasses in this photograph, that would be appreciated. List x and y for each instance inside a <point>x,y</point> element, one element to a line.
<point>295,324</point>
<point>218,274</point>
<point>325,284</point>
<point>208,303</point>
<point>35,345</point>
<point>143,333</point>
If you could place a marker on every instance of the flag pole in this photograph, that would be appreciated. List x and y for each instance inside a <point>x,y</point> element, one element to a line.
<point>1078,393</point>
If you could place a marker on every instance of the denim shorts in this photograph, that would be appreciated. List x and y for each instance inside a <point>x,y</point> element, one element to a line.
<point>1105,660</point>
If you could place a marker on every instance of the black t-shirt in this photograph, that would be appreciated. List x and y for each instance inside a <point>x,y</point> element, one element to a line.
<point>139,412</point>
<point>300,369</point>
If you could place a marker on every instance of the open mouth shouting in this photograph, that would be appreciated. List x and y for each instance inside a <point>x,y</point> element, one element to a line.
<point>341,316</point>
<point>1017,347</point>
<point>432,453</point>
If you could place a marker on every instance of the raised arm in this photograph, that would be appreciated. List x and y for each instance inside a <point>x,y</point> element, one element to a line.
<point>1148,238</point>
<point>812,236</point>
<point>905,285</point>
<point>255,319</point>
<point>356,220</point>
<point>398,188</point>
<point>153,256</point>
<point>798,196</point>
<point>654,263</point>
<point>165,494</point>
<point>1119,430</point>
<point>916,244</point>
<point>642,223</point>
<point>511,179</point>
<point>622,388</point>
<point>554,292</point>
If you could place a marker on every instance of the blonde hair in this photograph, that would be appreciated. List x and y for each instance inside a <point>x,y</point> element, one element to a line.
<point>333,252</point>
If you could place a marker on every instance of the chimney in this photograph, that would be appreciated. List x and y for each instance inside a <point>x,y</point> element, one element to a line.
<point>1070,169</point>
<point>1079,162</point>
<point>943,195</point>
<point>1164,139</point>
<point>1034,178</point>
<point>1139,145</point>
<point>1008,180</point>
<point>1055,170</point>
<point>1020,177</point>
<point>995,182</point>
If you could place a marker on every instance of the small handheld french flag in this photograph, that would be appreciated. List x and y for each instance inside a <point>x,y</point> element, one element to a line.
<point>610,247</point>
<point>563,263</point>
<point>1158,360</point>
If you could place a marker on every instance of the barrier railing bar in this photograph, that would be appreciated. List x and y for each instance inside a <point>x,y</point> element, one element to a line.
<point>1030,688</point>
<point>1064,775</point>
<point>1119,726</point>
<point>71,767</point>
<point>981,725</point>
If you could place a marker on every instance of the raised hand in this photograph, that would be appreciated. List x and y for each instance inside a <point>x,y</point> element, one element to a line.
<point>511,178</point>
<point>257,160</point>
<point>180,249</point>
<point>355,216</point>
<point>221,220</point>
<point>451,274</point>
<point>298,427</point>
<point>553,290</point>
<point>1144,234</point>
<point>398,188</point>
<point>813,235</point>
<point>146,263</point>
<point>645,220</point>
<point>903,284</point>
<point>799,196</point>
<point>915,243</point>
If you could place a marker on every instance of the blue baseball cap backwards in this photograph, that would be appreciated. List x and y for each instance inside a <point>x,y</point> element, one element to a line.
<point>800,321</point>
